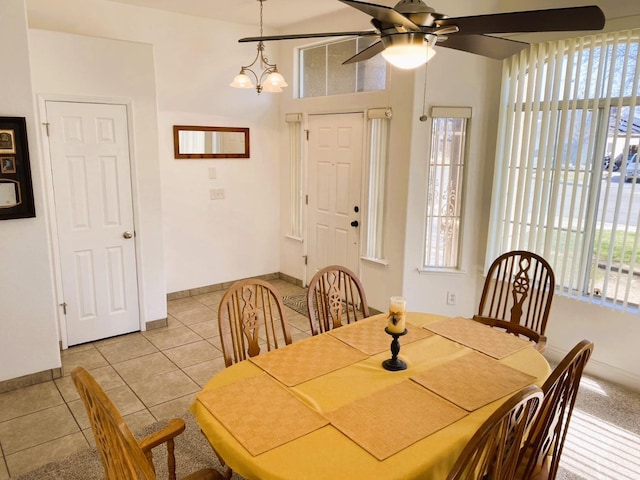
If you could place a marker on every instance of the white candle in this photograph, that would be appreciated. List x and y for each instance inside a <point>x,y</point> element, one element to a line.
<point>397,315</point>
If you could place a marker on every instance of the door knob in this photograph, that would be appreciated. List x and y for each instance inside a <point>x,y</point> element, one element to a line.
<point>355,223</point>
<point>127,235</point>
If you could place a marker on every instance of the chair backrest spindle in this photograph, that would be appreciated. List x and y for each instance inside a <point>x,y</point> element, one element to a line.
<point>251,315</point>
<point>517,295</point>
<point>335,297</point>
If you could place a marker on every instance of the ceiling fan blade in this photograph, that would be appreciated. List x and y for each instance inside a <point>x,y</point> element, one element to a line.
<point>492,47</point>
<point>366,54</point>
<point>383,13</point>
<point>553,20</point>
<point>364,33</point>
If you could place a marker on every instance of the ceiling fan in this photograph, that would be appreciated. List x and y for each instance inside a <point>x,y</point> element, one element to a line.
<point>410,29</point>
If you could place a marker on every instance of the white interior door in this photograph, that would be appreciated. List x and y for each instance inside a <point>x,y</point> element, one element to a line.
<point>334,184</point>
<point>89,149</point>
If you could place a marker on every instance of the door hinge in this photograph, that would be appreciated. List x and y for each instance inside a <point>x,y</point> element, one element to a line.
<point>305,258</point>
<point>46,126</point>
<point>306,199</point>
<point>306,132</point>
<point>64,307</point>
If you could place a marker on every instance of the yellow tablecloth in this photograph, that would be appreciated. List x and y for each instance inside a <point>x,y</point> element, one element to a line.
<point>328,453</point>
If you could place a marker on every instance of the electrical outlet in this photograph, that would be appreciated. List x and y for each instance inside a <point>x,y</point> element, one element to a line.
<point>217,193</point>
<point>212,173</point>
<point>451,298</point>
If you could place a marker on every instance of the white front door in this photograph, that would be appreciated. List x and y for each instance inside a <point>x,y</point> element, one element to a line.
<point>334,184</point>
<point>89,150</point>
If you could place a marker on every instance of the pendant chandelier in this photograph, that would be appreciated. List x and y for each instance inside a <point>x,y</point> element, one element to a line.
<point>269,80</point>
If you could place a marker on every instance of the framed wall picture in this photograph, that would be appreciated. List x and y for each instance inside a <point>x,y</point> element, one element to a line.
<point>16,189</point>
<point>7,141</point>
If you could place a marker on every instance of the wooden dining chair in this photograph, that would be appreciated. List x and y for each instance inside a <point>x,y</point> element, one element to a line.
<point>492,453</point>
<point>335,297</point>
<point>124,457</point>
<point>251,317</point>
<point>517,295</point>
<point>540,455</point>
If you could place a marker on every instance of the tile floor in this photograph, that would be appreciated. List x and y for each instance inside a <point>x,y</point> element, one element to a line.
<point>150,376</point>
<point>154,376</point>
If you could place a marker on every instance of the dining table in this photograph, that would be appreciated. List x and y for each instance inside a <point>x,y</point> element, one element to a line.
<point>326,407</point>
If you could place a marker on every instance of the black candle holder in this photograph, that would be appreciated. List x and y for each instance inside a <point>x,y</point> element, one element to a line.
<point>394,364</point>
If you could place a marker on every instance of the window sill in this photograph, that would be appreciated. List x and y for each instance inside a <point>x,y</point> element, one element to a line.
<point>447,271</point>
<point>378,261</point>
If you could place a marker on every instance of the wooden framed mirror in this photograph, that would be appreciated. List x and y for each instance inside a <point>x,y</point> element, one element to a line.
<point>190,141</point>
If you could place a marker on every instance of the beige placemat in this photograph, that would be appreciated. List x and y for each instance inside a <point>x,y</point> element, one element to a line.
<point>392,419</point>
<point>370,337</point>
<point>473,380</point>
<point>485,339</point>
<point>307,359</point>
<point>260,413</point>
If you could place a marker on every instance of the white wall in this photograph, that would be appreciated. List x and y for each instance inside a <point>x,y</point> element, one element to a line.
<point>380,281</point>
<point>454,79</point>
<point>205,241</point>
<point>478,88</point>
<point>111,70</point>
<point>28,333</point>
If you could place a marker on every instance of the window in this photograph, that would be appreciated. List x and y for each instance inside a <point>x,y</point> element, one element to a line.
<point>379,120</point>
<point>294,121</point>
<point>565,175</point>
<point>445,187</point>
<point>322,73</point>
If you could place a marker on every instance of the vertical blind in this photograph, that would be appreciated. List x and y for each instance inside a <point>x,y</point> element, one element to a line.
<point>568,113</point>
<point>294,120</point>
<point>379,120</point>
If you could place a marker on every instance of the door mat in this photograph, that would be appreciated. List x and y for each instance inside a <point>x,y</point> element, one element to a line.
<point>297,303</point>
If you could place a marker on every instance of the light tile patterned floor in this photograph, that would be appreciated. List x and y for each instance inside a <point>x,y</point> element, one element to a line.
<point>150,376</point>
<point>47,422</point>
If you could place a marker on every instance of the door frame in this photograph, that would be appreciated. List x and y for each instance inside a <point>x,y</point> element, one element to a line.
<point>364,172</point>
<point>50,206</point>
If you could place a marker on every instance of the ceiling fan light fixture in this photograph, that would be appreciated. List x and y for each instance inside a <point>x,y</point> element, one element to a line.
<point>408,50</point>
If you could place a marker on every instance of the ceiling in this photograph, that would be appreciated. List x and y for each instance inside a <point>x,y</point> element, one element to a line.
<point>282,13</point>
<point>276,13</point>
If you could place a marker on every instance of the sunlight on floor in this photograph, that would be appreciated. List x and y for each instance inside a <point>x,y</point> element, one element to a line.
<point>592,385</point>
<point>598,450</point>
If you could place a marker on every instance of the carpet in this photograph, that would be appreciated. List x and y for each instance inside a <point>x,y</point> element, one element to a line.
<point>297,303</point>
<point>192,453</point>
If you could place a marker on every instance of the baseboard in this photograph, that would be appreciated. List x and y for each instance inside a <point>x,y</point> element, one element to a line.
<point>29,380</point>
<point>153,324</point>
<point>600,369</point>
<point>223,286</point>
